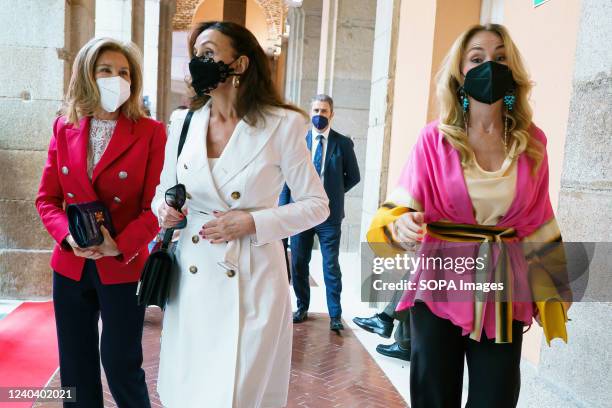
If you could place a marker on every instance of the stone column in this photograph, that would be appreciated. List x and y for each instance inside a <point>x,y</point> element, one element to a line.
<point>138,23</point>
<point>581,369</point>
<point>150,55</point>
<point>235,11</point>
<point>114,19</point>
<point>330,51</point>
<point>345,73</point>
<point>329,19</point>
<point>80,28</point>
<point>167,8</point>
<point>35,55</point>
<point>295,54</point>
<point>378,141</point>
<point>303,52</point>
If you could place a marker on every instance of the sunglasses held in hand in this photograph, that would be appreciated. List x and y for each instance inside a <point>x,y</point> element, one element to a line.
<point>175,198</point>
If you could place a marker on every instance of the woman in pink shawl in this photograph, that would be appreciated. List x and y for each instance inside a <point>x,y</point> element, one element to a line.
<point>478,174</point>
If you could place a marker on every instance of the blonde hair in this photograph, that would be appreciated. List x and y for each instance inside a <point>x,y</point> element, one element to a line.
<point>83,95</point>
<point>452,123</point>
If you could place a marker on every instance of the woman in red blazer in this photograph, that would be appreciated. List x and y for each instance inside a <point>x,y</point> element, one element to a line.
<point>103,148</point>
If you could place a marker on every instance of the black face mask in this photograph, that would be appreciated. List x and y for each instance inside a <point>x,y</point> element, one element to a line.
<point>488,82</point>
<point>206,74</point>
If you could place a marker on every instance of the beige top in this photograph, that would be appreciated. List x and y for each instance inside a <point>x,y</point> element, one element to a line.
<point>491,192</point>
<point>100,134</point>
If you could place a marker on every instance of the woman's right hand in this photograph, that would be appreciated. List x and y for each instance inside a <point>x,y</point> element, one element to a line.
<point>409,227</point>
<point>169,217</point>
<point>83,252</point>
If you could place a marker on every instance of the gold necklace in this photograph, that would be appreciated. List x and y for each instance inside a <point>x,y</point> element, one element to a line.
<point>465,122</point>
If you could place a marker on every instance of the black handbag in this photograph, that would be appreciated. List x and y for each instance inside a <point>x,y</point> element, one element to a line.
<point>84,221</point>
<point>154,284</point>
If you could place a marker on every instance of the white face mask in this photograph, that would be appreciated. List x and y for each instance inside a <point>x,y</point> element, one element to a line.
<point>114,91</point>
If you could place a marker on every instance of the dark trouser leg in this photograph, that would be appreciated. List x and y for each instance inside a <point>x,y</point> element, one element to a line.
<point>76,317</point>
<point>392,305</point>
<point>285,247</point>
<point>436,360</point>
<point>494,371</point>
<point>329,238</point>
<point>402,333</point>
<point>301,251</point>
<point>121,348</point>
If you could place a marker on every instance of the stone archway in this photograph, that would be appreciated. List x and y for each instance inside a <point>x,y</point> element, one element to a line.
<point>190,11</point>
<point>274,10</point>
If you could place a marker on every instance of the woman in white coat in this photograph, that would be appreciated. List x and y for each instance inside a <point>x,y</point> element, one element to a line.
<point>227,331</point>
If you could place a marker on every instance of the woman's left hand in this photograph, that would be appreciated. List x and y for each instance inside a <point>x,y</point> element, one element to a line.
<point>228,226</point>
<point>109,246</point>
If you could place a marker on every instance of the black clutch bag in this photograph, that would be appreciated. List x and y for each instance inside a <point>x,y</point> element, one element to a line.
<point>84,221</point>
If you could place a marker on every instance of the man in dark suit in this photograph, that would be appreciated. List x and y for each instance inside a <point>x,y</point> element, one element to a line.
<point>334,159</point>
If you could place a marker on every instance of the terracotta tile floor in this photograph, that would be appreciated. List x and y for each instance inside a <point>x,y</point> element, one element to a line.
<point>327,370</point>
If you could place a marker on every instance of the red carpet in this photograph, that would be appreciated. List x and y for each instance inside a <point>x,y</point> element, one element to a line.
<point>28,348</point>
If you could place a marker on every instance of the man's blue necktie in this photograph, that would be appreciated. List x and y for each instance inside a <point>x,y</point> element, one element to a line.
<point>318,157</point>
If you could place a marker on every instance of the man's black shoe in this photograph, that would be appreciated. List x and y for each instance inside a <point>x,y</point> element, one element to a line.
<point>335,324</point>
<point>300,315</point>
<point>394,350</point>
<point>375,324</point>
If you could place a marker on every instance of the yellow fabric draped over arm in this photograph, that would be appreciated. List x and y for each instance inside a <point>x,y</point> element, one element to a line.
<point>547,268</point>
<point>379,236</point>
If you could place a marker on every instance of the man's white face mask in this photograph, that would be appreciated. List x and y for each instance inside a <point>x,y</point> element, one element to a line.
<point>114,91</point>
